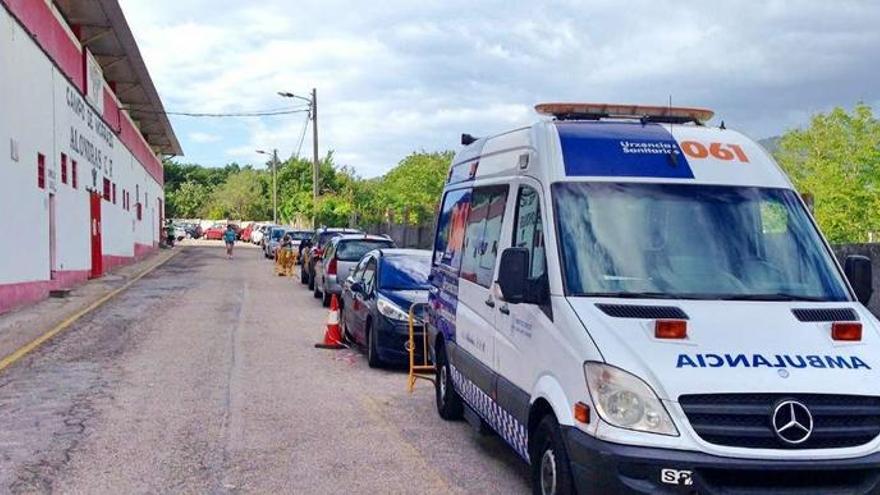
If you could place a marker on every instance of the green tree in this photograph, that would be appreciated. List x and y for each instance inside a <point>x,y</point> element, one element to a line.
<point>837,160</point>
<point>414,186</point>
<point>242,196</point>
<point>187,200</point>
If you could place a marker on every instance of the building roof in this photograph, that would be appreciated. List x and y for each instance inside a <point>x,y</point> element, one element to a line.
<point>101,27</point>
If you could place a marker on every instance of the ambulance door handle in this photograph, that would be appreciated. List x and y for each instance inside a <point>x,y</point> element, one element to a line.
<point>504,309</point>
<point>490,302</point>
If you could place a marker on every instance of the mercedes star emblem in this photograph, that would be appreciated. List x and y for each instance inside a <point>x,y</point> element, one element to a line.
<point>792,422</point>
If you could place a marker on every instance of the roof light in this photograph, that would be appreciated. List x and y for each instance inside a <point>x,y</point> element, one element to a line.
<point>846,330</point>
<point>670,329</point>
<point>570,111</point>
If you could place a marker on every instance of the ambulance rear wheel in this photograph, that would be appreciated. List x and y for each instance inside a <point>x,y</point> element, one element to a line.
<point>449,404</point>
<point>551,471</point>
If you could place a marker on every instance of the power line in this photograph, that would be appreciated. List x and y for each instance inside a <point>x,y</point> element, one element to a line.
<point>302,136</point>
<point>255,113</point>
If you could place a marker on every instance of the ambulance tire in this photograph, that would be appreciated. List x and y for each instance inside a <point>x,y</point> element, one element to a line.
<point>551,470</point>
<point>449,404</point>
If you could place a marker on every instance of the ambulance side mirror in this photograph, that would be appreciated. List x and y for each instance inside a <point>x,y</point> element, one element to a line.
<point>513,274</point>
<point>859,273</point>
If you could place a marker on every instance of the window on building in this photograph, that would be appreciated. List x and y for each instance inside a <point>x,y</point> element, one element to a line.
<point>73,174</point>
<point>140,211</point>
<point>483,234</point>
<point>106,189</point>
<point>41,171</point>
<point>63,168</point>
<point>114,193</point>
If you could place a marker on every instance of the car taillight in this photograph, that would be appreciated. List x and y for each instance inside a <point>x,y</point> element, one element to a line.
<point>331,267</point>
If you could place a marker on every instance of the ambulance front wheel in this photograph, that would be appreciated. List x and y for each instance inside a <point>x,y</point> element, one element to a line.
<point>551,470</point>
<point>449,404</point>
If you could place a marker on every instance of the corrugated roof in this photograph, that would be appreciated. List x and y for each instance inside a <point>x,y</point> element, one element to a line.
<point>100,26</point>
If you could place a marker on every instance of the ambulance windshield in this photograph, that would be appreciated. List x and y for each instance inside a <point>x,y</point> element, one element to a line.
<point>691,241</point>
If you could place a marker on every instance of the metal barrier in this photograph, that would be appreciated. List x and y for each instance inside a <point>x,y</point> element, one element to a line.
<point>423,369</point>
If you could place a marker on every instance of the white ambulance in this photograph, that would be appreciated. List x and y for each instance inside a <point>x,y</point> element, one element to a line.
<point>639,303</point>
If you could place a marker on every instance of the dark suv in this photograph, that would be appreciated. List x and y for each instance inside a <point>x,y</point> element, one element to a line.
<point>311,250</point>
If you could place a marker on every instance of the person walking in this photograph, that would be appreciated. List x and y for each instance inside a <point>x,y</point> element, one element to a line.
<point>229,237</point>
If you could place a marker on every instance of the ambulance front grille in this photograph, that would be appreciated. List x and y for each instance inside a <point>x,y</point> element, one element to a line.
<point>745,420</point>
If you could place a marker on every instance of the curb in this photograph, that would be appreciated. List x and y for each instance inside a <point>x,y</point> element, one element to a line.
<point>37,342</point>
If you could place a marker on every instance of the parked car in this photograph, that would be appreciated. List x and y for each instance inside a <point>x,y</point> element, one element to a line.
<point>179,233</point>
<point>312,248</point>
<point>193,230</point>
<point>376,300</point>
<point>259,234</point>
<point>271,241</point>
<point>246,232</point>
<point>278,234</point>
<point>215,232</point>
<point>341,254</point>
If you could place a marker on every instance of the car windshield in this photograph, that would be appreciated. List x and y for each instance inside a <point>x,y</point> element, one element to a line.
<point>691,241</point>
<point>405,272</point>
<point>354,250</point>
<point>278,234</point>
<point>299,235</point>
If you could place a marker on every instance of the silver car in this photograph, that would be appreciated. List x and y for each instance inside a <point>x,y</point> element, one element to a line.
<point>341,255</point>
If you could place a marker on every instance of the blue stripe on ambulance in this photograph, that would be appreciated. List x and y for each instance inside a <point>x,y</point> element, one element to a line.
<point>621,149</point>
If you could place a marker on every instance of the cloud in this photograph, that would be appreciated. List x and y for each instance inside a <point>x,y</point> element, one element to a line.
<point>397,76</point>
<point>203,137</point>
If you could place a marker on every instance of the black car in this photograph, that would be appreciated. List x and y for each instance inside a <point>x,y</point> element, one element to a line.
<point>311,250</point>
<point>376,300</point>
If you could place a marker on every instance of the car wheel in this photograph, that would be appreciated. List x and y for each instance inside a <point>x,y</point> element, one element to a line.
<point>343,328</point>
<point>372,350</point>
<point>551,471</point>
<point>449,404</point>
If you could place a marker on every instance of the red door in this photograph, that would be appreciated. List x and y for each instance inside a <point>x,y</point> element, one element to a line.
<point>95,226</point>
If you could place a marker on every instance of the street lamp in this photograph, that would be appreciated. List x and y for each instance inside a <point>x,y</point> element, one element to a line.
<point>313,115</point>
<point>274,156</point>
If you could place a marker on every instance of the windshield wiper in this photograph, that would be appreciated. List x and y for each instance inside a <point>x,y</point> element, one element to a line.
<point>778,296</point>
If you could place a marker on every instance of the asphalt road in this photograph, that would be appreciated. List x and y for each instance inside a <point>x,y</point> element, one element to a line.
<point>203,378</point>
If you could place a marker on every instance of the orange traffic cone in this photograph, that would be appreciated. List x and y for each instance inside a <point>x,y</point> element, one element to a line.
<point>332,337</point>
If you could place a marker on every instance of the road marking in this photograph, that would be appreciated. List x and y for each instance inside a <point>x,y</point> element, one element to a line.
<point>27,348</point>
<point>412,452</point>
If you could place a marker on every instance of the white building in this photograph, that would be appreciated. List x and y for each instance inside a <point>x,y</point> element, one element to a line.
<point>81,131</point>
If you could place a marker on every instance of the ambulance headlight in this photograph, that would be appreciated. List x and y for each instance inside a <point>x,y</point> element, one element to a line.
<point>625,401</point>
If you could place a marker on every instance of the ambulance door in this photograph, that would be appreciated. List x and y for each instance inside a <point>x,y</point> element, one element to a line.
<point>522,329</point>
<point>477,304</point>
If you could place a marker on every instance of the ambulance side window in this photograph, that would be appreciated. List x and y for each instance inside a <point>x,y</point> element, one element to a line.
<point>483,234</point>
<point>529,230</point>
<point>451,225</point>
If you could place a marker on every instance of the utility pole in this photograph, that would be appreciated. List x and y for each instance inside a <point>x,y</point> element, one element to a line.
<point>313,115</point>
<point>274,156</point>
<point>315,165</point>
<point>275,186</point>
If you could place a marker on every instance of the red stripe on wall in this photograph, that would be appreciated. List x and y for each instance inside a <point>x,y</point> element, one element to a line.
<point>130,136</point>
<point>15,295</point>
<point>39,20</point>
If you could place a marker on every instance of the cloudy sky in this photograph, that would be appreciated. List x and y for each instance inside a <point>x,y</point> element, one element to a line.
<point>404,75</point>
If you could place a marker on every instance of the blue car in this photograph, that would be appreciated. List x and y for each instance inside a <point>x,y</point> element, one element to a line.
<point>376,298</point>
